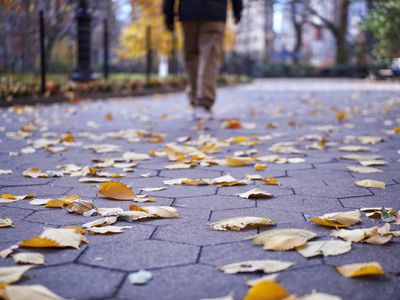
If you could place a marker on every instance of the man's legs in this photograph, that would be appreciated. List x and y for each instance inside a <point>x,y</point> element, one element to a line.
<point>191,56</point>
<point>211,39</point>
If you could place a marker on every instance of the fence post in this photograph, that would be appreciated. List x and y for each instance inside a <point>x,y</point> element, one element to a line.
<point>149,58</point>
<point>106,70</point>
<point>83,70</point>
<point>42,54</point>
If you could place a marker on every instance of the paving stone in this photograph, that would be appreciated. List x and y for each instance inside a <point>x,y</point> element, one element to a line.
<point>326,279</point>
<point>57,217</point>
<point>332,191</point>
<point>194,173</point>
<point>21,230</point>
<point>140,254</point>
<point>279,214</point>
<point>220,255</point>
<point>180,191</point>
<point>215,202</point>
<point>77,281</point>
<point>40,191</point>
<point>173,283</point>
<point>233,190</point>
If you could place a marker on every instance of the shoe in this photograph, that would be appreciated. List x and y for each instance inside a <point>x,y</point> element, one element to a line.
<point>202,113</point>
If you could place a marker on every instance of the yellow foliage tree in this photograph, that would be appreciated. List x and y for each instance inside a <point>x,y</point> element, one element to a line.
<point>133,38</point>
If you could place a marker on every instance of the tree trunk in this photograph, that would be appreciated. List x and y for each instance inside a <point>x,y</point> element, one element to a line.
<point>340,36</point>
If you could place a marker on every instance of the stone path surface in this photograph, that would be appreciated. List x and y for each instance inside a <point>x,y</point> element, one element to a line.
<point>184,253</point>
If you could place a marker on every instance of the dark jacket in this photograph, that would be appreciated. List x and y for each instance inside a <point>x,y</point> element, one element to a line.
<point>201,10</point>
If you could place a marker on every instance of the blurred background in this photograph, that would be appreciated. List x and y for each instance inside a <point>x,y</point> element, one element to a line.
<point>131,48</point>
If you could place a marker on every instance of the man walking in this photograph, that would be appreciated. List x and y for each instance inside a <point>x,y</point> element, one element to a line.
<point>203,23</point>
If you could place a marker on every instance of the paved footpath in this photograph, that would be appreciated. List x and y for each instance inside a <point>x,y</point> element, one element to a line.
<point>184,254</point>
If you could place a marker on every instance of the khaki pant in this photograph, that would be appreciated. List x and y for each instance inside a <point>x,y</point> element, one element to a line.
<point>203,52</point>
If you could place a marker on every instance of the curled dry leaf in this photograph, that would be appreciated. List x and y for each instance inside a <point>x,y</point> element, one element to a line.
<point>93,179</point>
<point>363,170</point>
<point>226,180</point>
<point>35,173</point>
<point>153,189</point>
<point>116,191</point>
<point>325,248</point>
<point>109,211</point>
<point>360,269</point>
<point>373,235</point>
<point>255,194</point>
<point>29,258</point>
<point>107,229</point>
<point>266,266</point>
<point>8,198</point>
<point>6,252</point>
<point>22,292</point>
<point>266,290</point>
<point>353,148</point>
<point>178,166</point>
<point>367,163</point>
<point>371,183</point>
<point>237,161</point>
<point>54,238</point>
<point>80,207</point>
<point>271,181</point>
<point>133,156</point>
<point>5,172</point>
<point>136,213</point>
<point>7,222</point>
<point>283,239</point>
<point>239,223</point>
<point>259,167</point>
<point>360,157</point>
<point>12,274</point>
<point>101,222</point>
<point>338,219</point>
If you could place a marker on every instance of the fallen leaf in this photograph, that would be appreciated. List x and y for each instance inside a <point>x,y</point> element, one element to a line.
<point>178,166</point>
<point>54,238</point>
<point>140,278</point>
<point>101,222</point>
<point>35,173</point>
<point>271,181</point>
<point>29,258</point>
<point>360,157</point>
<point>12,274</point>
<point>353,148</point>
<point>367,163</point>
<point>116,191</point>
<point>80,207</point>
<point>7,222</point>
<point>255,194</point>
<point>266,290</point>
<point>338,219</point>
<point>283,239</point>
<point>360,269</point>
<point>239,223</point>
<point>373,235</point>
<point>8,198</point>
<point>93,179</point>
<point>24,292</point>
<point>6,252</point>
<point>266,266</point>
<point>363,170</point>
<point>236,161</point>
<point>5,172</point>
<point>107,229</point>
<point>371,183</point>
<point>319,296</point>
<point>259,167</point>
<point>227,297</point>
<point>103,148</point>
<point>153,189</point>
<point>325,248</point>
<point>133,156</point>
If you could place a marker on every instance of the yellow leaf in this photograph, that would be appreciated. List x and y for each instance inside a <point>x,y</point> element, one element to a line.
<point>36,292</point>
<point>12,274</point>
<point>178,166</point>
<point>266,266</point>
<point>266,290</point>
<point>80,207</point>
<point>238,139</point>
<point>35,173</point>
<point>54,238</point>
<point>8,198</point>
<point>271,181</point>
<point>340,116</point>
<point>236,161</point>
<point>116,191</point>
<point>361,269</point>
<point>259,167</point>
<point>371,183</point>
<point>239,223</point>
<point>338,219</point>
<point>55,203</point>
